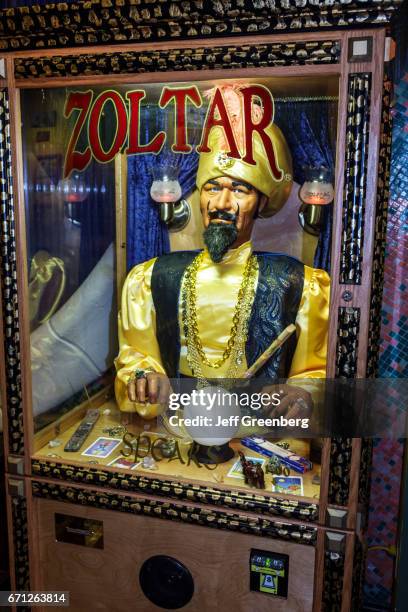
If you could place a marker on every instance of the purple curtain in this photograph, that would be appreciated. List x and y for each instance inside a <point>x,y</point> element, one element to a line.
<point>309,128</point>
<point>147,236</point>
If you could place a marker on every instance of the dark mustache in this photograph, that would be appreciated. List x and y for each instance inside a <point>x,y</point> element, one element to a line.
<point>222,215</point>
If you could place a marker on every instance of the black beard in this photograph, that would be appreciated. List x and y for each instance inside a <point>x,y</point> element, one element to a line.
<point>218,237</point>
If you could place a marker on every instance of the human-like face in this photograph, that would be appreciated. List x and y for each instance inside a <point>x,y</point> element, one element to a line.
<point>235,198</point>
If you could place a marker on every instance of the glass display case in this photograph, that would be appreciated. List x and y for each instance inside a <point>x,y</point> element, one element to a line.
<point>95,190</point>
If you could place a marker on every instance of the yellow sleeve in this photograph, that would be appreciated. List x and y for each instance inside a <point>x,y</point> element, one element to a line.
<point>138,347</point>
<point>312,323</point>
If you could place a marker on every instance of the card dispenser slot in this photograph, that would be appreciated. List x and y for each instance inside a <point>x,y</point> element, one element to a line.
<point>79,530</point>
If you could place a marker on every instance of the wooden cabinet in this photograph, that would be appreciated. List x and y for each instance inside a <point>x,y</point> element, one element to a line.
<point>174,513</point>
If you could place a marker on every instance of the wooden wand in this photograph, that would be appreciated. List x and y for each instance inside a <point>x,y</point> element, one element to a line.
<point>272,348</point>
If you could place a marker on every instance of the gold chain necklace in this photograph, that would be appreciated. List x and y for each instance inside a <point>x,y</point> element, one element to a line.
<point>238,334</point>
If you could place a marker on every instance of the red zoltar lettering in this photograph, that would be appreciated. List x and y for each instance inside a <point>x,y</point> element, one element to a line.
<point>134,148</point>
<point>98,151</point>
<point>248,93</point>
<point>127,126</point>
<point>180,97</point>
<point>76,160</point>
<point>218,106</point>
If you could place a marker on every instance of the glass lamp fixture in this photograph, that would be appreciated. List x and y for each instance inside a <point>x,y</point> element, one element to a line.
<point>73,189</point>
<point>316,192</point>
<point>166,191</point>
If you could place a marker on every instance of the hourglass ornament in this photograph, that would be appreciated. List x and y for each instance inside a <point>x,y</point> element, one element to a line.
<point>166,191</point>
<point>315,193</point>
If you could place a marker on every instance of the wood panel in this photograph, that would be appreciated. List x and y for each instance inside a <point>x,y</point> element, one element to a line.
<point>324,480</point>
<point>377,68</point>
<point>360,293</point>
<point>177,44</point>
<point>218,561</point>
<point>348,574</point>
<point>319,571</point>
<point>108,80</point>
<point>121,219</point>
<point>354,482</point>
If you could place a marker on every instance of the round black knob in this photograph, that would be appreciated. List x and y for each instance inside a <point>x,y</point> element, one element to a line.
<point>166,582</point>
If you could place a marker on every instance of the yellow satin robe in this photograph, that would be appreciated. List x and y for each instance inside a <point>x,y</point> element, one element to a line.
<point>217,293</point>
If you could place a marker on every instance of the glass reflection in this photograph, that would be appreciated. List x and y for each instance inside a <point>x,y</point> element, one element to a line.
<point>70,250</point>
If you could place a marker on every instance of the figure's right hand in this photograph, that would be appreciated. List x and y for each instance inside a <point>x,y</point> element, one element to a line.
<point>153,388</point>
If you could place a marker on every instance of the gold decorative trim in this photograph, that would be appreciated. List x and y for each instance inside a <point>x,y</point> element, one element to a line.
<point>267,528</point>
<point>250,502</point>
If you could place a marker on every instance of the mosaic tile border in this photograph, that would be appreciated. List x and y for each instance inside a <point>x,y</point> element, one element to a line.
<point>346,366</point>
<point>249,502</point>
<point>20,542</point>
<point>382,531</point>
<point>101,22</point>
<point>347,342</point>
<point>9,286</point>
<point>348,326</point>
<point>381,214</point>
<point>355,177</point>
<point>340,461</point>
<point>333,581</point>
<point>204,58</point>
<point>365,477</point>
<point>266,528</point>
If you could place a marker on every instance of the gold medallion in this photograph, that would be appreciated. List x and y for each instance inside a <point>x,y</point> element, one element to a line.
<point>223,161</point>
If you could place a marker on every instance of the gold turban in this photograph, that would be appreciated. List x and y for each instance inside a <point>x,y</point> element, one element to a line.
<point>218,163</point>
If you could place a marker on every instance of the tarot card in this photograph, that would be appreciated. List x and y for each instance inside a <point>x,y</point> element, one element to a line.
<point>122,462</point>
<point>236,470</point>
<point>102,447</point>
<point>288,484</point>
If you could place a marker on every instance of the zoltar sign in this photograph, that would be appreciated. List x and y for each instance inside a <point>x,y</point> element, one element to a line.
<point>89,110</point>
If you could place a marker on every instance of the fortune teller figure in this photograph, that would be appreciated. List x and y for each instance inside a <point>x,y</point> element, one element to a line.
<point>211,314</point>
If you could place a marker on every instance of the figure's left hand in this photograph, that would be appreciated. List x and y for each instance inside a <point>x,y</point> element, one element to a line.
<point>296,403</point>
